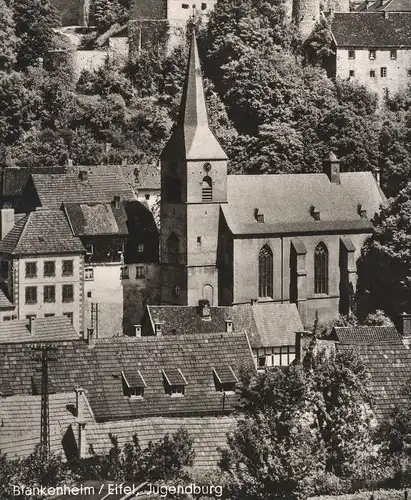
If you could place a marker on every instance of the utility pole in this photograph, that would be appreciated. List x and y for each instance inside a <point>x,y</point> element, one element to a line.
<point>44,354</point>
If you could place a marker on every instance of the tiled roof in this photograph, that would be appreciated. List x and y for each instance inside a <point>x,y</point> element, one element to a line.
<point>99,371</point>
<point>390,6</point>
<point>56,328</point>
<point>389,366</point>
<point>148,177</point>
<point>266,323</point>
<point>4,301</point>
<point>286,200</point>
<point>53,190</point>
<point>15,179</point>
<point>355,335</point>
<point>41,232</point>
<point>208,433</point>
<point>91,219</point>
<point>372,29</point>
<point>20,421</point>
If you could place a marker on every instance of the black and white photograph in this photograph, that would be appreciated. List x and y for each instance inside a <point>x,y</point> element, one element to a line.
<point>205,249</point>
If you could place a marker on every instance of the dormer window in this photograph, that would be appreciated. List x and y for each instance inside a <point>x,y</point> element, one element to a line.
<point>157,328</point>
<point>174,382</point>
<point>315,213</point>
<point>225,379</point>
<point>259,217</point>
<point>362,212</point>
<point>133,384</point>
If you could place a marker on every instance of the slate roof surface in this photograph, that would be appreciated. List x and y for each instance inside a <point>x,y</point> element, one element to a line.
<point>266,323</point>
<point>53,190</point>
<point>98,371</point>
<point>55,328</point>
<point>389,366</point>
<point>373,30</point>
<point>390,6</point>
<point>4,301</point>
<point>368,335</point>
<point>20,421</point>
<point>285,201</point>
<point>209,433</point>
<point>91,219</point>
<point>41,232</point>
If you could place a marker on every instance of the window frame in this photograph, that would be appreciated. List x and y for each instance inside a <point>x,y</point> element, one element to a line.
<point>266,272</point>
<point>29,275</point>
<point>351,54</point>
<point>49,287</point>
<point>393,54</point>
<point>383,72</point>
<point>31,301</point>
<point>321,269</point>
<point>140,273</point>
<point>372,73</point>
<point>89,273</point>
<point>64,272</point>
<point>65,299</point>
<point>48,263</point>
<point>372,54</point>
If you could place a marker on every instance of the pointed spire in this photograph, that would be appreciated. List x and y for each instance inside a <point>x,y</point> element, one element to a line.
<point>193,127</point>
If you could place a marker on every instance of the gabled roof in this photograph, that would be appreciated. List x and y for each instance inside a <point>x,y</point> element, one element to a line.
<point>372,29</point>
<point>386,6</point>
<point>20,422</point>
<point>92,219</point>
<point>286,201</point>
<point>55,329</point>
<point>15,179</point>
<point>5,303</point>
<point>208,433</point>
<point>41,232</point>
<point>389,366</point>
<point>192,137</point>
<point>267,324</point>
<point>357,335</point>
<point>53,190</point>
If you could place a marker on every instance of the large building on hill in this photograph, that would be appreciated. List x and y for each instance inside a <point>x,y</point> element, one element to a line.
<point>230,239</point>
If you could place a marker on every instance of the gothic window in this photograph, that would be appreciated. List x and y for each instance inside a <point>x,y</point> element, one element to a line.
<point>173,248</point>
<point>207,189</point>
<point>321,269</point>
<point>265,272</point>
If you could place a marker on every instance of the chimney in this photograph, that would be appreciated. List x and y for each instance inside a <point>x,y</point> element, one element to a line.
<point>82,175</point>
<point>6,221</point>
<point>31,324</point>
<point>117,201</point>
<point>229,325</point>
<point>137,330</point>
<point>204,309</point>
<point>377,175</point>
<point>81,424</point>
<point>90,337</point>
<point>362,212</point>
<point>157,329</point>
<point>332,168</point>
<point>405,324</point>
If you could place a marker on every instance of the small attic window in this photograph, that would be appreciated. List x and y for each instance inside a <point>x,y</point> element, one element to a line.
<point>259,217</point>
<point>315,213</point>
<point>37,385</point>
<point>133,384</point>
<point>174,382</point>
<point>362,212</point>
<point>225,379</point>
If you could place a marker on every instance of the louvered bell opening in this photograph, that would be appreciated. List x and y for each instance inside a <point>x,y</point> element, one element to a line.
<point>207,194</point>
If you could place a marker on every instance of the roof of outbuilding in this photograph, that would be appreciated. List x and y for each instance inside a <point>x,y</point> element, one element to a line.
<point>91,219</point>
<point>53,190</point>
<point>372,29</point>
<point>286,201</point>
<point>389,366</point>
<point>267,324</point>
<point>208,433</point>
<point>54,329</point>
<point>41,232</point>
<point>356,335</point>
<point>389,6</point>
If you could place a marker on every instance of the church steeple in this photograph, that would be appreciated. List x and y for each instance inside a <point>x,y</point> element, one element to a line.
<point>192,137</point>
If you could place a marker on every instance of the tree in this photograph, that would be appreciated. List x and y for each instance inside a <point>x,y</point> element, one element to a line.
<point>35,20</point>
<point>318,47</point>
<point>8,39</point>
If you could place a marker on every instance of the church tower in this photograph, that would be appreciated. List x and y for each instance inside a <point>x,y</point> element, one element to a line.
<point>193,186</point>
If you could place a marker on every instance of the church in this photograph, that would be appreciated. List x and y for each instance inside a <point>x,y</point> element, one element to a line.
<point>235,239</point>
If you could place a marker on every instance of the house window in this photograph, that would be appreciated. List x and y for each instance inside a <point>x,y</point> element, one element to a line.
<point>372,54</point>
<point>147,196</point>
<point>351,54</point>
<point>352,73</point>
<point>185,6</point>
<point>176,290</point>
<point>69,315</point>
<point>124,273</point>
<point>89,249</point>
<point>7,318</point>
<point>321,269</point>
<point>49,293</point>
<point>173,248</point>
<point>372,73</point>
<point>31,316</point>
<point>393,54</point>
<point>49,315</point>
<point>133,384</point>
<point>207,189</point>
<point>383,72</point>
<point>225,379</point>
<point>89,273</point>
<point>203,6</point>
<point>174,382</point>
<point>68,293</point>
<point>67,268</point>
<point>139,272</point>
<point>49,269</point>
<point>265,272</point>
<point>140,247</point>
<point>31,295</point>
<point>31,269</point>
<point>120,247</point>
